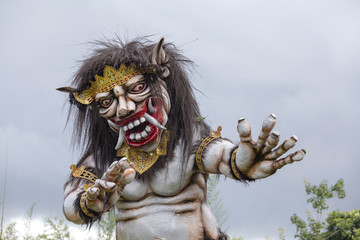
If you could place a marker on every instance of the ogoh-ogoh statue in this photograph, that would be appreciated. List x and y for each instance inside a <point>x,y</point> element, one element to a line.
<point>146,153</point>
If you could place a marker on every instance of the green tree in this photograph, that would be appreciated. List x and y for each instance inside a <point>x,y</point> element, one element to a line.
<point>55,229</point>
<point>106,227</point>
<point>343,225</point>
<point>320,225</point>
<point>10,232</point>
<point>215,201</point>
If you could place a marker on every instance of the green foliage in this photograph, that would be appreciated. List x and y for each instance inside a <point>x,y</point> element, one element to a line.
<point>106,227</point>
<point>281,234</point>
<point>338,225</point>
<point>344,225</point>
<point>10,232</point>
<point>55,229</point>
<point>215,201</point>
<point>28,220</point>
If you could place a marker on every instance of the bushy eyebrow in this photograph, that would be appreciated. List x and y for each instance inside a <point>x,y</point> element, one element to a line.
<point>101,95</point>
<point>132,81</point>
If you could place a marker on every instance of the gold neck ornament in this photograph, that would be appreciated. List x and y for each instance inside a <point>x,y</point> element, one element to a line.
<point>144,160</point>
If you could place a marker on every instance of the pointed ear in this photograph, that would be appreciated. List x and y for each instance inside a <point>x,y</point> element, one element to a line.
<point>66,89</point>
<point>158,57</point>
<point>158,54</point>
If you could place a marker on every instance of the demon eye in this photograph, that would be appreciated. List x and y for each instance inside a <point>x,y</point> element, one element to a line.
<point>138,87</point>
<point>105,102</point>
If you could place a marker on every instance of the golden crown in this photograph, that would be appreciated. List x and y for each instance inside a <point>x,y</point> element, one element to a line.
<point>111,78</point>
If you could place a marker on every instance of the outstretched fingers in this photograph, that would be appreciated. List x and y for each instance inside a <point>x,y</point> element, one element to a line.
<point>297,156</point>
<point>267,126</point>
<point>271,142</point>
<point>287,144</point>
<point>244,131</point>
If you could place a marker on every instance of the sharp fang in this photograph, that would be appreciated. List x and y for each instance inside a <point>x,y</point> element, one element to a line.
<point>136,122</point>
<point>142,119</point>
<point>151,107</point>
<point>138,136</point>
<point>153,121</point>
<point>120,138</point>
<point>113,125</point>
<point>130,125</point>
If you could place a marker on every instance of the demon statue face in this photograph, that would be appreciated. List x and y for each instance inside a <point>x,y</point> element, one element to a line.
<point>130,109</point>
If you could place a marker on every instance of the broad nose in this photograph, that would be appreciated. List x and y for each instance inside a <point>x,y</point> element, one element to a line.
<point>125,106</point>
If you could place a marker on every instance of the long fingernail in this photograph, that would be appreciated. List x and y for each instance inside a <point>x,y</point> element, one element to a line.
<point>294,137</point>
<point>110,184</point>
<point>241,119</point>
<point>272,115</point>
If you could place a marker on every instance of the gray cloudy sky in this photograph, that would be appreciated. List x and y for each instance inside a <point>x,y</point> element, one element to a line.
<point>299,59</point>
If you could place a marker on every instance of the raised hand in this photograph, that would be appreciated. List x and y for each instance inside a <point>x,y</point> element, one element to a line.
<point>259,159</point>
<point>107,190</point>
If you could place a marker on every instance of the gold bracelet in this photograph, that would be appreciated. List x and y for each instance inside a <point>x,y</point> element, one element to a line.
<point>212,136</point>
<point>233,164</point>
<point>83,206</point>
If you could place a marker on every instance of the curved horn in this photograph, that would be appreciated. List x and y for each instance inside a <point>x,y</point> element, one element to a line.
<point>66,89</point>
<point>158,54</point>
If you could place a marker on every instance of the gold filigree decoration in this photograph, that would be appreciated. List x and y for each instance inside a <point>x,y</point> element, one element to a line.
<point>80,172</point>
<point>212,136</point>
<point>111,78</point>
<point>144,160</point>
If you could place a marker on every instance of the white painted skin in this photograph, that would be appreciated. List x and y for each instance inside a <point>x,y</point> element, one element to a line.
<point>171,204</point>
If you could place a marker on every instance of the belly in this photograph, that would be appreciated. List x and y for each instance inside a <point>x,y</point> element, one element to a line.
<point>175,217</point>
<point>167,223</point>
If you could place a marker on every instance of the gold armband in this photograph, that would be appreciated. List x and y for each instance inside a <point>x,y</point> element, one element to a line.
<point>212,136</point>
<point>233,165</point>
<point>83,206</point>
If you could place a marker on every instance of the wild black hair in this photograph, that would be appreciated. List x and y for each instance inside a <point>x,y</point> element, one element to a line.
<point>92,131</point>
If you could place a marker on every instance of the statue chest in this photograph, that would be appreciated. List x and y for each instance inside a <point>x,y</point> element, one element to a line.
<point>166,182</point>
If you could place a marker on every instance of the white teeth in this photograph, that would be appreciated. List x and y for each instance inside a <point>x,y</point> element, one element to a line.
<point>126,128</point>
<point>150,107</point>
<point>148,129</point>
<point>132,136</point>
<point>136,122</point>
<point>120,138</point>
<point>144,134</point>
<point>142,119</point>
<point>130,125</point>
<point>138,136</point>
<point>153,121</point>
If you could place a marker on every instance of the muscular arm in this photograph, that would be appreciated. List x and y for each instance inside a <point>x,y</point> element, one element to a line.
<point>216,157</point>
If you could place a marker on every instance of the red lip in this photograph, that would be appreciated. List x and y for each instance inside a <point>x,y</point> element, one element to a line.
<point>153,134</point>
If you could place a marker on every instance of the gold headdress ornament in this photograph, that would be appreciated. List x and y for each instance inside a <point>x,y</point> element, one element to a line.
<point>111,78</point>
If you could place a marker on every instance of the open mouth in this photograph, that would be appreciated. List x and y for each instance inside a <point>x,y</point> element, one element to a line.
<point>141,127</point>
